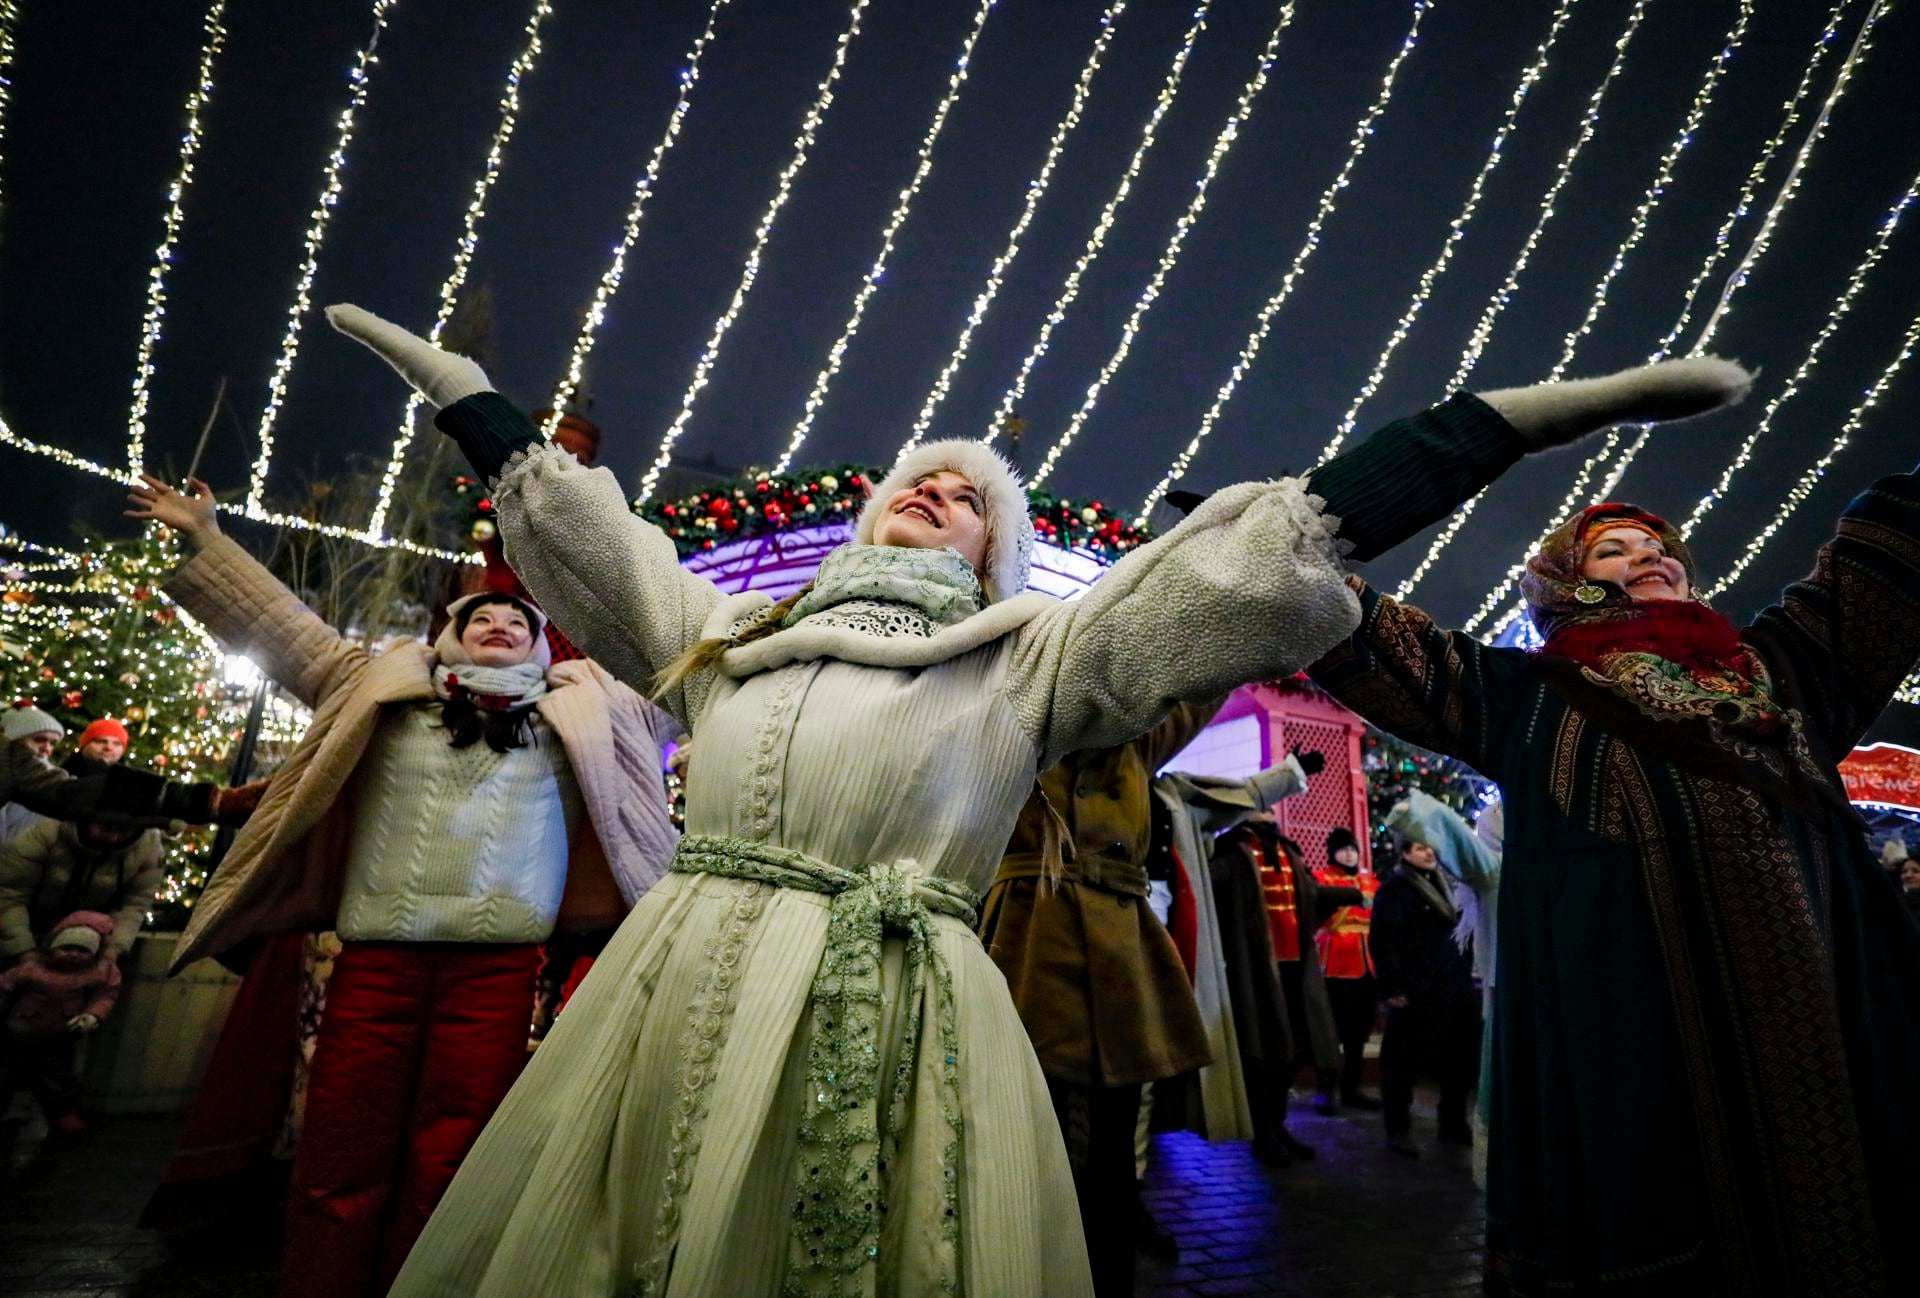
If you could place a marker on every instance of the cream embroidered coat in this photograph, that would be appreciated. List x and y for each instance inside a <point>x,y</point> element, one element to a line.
<point>286,866</point>
<point>649,1147</point>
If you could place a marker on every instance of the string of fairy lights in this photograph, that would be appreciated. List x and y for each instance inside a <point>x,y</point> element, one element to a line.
<point>763,233</point>
<point>1797,494</point>
<point>1097,238</point>
<point>1841,307</point>
<point>1036,190</point>
<point>1456,229</point>
<point>9,18</point>
<point>568,390</point>
<point>190,139</point>
<point>80,463</point>
<point>1636,231</point>
<point>1761,242</point>
<point>359,82</point>
<point>1510,286</point>
<point>1263,322</point>
<point>1176,242</point>
<point>463,252</point>
<point>1861,45</point>
<point>903,206</point>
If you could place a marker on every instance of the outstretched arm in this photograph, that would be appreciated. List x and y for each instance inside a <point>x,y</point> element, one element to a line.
<point>1251,585</point>
<point>612,580</point>
<point>1848,633</point>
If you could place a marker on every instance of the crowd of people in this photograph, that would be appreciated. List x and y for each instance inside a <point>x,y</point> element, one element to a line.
<point>948,930</point>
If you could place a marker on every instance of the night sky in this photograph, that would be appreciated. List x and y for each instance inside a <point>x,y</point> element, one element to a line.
<point>94,121</point>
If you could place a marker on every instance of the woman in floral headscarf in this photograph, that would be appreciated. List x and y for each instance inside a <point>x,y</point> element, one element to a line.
<point>1707,1026</point>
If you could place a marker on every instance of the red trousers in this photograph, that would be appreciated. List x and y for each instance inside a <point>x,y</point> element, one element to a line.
<point>419,1044</point>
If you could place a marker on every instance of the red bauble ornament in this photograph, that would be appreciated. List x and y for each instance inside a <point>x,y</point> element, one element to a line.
<point>72,698</point>
<point>721,507</point>
<point>141,594</point>
<point>729,524</point>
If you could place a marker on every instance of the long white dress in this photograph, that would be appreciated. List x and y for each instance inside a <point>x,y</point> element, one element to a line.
<point>651,1145</point>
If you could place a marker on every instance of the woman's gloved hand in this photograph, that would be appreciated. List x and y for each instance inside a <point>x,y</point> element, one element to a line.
<point>440,376</point>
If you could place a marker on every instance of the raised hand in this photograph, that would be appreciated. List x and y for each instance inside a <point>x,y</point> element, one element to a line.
<point>1551,414</point>
<point>439,376</point>
<point>188,512</point>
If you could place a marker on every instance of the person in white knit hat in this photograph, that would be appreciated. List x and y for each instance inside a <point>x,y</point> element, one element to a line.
<point>795,1069</point>
<point>449,808</point>
<point>35,734</point>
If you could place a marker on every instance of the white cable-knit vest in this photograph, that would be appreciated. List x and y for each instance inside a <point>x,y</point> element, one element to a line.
<point>457,844</point>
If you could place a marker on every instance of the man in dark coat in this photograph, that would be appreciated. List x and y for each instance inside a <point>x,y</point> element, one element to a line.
<point>1269,906</point>
<point>1433,1010</point>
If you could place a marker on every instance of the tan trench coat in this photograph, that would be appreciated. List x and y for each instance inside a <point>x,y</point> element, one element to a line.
<point>286,867</point>
<point>1095,976</point>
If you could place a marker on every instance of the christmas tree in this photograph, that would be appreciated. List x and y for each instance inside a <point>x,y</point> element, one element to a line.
<point>89,634</point>
<point>1395,767</point>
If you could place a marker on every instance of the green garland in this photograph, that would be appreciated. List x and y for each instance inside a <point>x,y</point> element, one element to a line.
<point>740,509</point>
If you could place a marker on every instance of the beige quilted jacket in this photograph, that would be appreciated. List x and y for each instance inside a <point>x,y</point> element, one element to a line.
<point>286,866</point>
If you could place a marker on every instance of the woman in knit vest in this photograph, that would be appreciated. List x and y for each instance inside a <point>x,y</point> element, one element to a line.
<point>449,807</point>
<point>795,1068</point>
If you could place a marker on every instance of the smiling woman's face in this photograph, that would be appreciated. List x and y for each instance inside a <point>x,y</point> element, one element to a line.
<point>498,635</point>
<point>1636,562</point>
<point>942,509</point>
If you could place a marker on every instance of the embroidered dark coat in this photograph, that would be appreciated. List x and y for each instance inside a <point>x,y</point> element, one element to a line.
<point>1707,1033</point>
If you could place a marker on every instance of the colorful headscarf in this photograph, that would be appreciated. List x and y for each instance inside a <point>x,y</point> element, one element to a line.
<point>1668,655</point>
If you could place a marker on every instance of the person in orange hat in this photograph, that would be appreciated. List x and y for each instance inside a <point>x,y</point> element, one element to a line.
<point>104,740</point>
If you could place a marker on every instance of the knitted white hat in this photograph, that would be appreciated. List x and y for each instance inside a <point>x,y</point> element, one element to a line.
<point>1009,526</point>
<point>447,645</point>
<point>21,722</point>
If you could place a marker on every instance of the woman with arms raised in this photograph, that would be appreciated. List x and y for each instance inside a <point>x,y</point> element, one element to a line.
<point>1707,1006</point>
<point>795,1069</point>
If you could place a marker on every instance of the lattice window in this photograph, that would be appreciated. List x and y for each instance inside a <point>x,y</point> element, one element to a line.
<point>1328,800</point>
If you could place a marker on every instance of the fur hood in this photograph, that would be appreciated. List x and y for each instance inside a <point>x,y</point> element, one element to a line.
<point>1009,526</point>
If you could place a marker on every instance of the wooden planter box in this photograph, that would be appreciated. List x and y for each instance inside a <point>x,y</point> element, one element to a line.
<point>149,1055</point>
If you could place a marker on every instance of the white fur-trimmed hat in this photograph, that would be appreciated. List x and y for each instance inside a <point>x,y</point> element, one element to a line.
<point>1009,526</point>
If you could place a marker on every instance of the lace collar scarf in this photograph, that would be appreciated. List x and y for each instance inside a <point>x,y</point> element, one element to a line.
<point>889,591</point>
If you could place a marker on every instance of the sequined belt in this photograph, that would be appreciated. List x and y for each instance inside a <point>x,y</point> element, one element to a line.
<point>845,1143</point>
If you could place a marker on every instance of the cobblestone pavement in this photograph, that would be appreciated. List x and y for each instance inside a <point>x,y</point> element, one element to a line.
<point>1355,1221</point>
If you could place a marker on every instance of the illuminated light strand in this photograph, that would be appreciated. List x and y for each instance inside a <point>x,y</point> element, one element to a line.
<point>1102,226</point>
<point>1263,324</point>
<point>463,252</point>
<point>1649,202</point>
<point>1036,190</point>
<point>1763,238</point>
<point>1836,314</point>
<point>176,214</point>
<point>9,19</point>
<point>802,150</point>
<point>1456,230</point>
<point>127,477</point>
<point>359,83</point>
<point>1798,493</point>
<point>1508,288</point>
<point>902,207</point>
<point>568,389</point>
<point>1176,242</point>
<point>1842,306</point>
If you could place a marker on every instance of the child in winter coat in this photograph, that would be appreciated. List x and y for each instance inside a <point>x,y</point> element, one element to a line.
<point>63,989</point>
